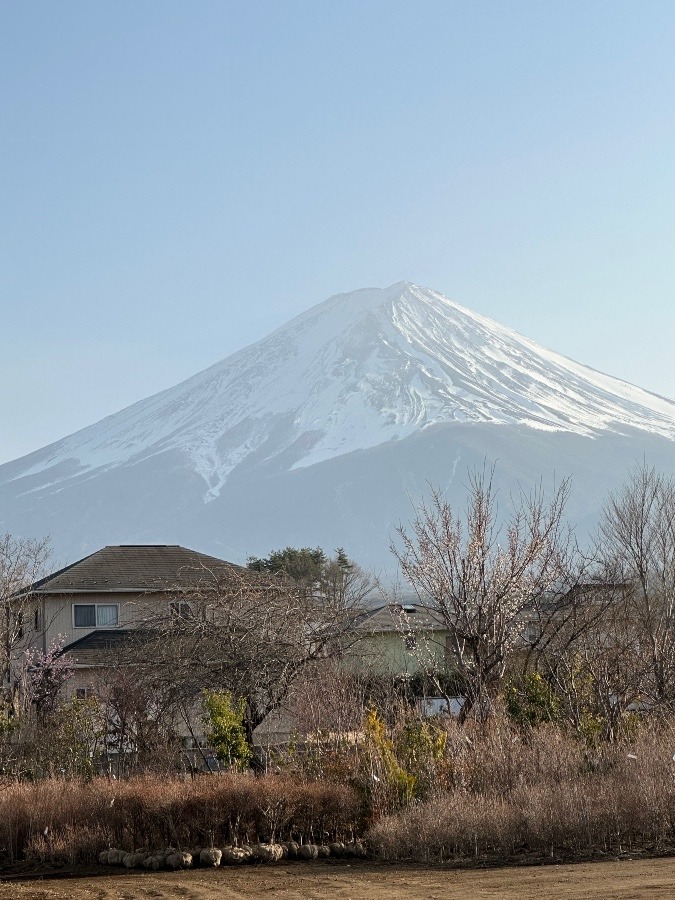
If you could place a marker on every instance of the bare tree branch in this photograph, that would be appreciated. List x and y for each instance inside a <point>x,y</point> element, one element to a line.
<point>482,579</point>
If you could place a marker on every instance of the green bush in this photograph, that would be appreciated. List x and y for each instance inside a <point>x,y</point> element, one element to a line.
<point>223,719</point>
<point>530,701</point>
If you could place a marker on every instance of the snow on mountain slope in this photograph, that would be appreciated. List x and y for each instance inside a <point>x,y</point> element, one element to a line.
<point>352,373</point>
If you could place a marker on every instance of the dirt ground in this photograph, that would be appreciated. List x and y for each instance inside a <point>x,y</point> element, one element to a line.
<point>620,880</point>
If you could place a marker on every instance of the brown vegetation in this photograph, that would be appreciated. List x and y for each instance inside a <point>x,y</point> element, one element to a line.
<point>486,791</point>
<point>57,821</point>
<point>543,792</point>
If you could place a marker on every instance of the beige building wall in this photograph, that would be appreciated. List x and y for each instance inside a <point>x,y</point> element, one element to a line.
<point>50,618</point>
<point>132,609</point>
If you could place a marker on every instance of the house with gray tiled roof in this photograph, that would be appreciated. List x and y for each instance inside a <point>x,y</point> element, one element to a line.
<point>94,604</point>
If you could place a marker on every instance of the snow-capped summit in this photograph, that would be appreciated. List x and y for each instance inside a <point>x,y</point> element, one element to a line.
<point>375,368</point>
<point>354,372</point>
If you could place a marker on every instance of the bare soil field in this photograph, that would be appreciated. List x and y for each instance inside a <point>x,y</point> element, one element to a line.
<point>615,880</point>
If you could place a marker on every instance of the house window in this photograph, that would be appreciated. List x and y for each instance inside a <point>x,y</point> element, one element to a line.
<point>180,610</point>
<point>95,615</point>
<point>410,641</point>
<point>37,618</point>
<point>84,693</point>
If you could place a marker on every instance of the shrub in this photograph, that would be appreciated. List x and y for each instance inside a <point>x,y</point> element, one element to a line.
<point>530,701</point>
<point>225,732</point>
<point>542,792</point>
<point>53,820</point>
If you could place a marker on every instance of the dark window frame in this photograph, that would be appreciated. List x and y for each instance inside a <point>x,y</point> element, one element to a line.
<point>96,607</point>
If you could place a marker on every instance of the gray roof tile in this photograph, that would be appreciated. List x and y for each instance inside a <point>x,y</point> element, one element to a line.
<point>134,567</point>
<point>98,647</point>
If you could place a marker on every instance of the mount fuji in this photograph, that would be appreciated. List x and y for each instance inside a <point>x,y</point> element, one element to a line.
<point>330,429</point>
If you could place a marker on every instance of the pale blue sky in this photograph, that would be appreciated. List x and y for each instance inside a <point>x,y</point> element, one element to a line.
<point>180,178</point>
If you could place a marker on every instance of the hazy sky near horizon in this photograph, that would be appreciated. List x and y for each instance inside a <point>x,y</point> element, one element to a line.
<point>178,179</point>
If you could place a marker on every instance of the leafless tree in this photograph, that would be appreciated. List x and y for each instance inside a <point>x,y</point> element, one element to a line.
<point>246,632</point>
<point>637,547</point>
<point>22,562</point>
<point>485,577</point>
<point>138,722</point>
<point>590,661</point>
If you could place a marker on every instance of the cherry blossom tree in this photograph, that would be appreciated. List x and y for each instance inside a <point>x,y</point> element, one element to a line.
<point>483,575</point>
<point>45,675</point>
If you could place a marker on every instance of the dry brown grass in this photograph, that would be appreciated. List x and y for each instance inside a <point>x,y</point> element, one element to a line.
<point>72,821</point>
<point>508,793</point>
<point>497,792</point>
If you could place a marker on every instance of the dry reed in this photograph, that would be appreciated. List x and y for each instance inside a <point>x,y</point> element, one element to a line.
<point>497,793</point>
<point>71,821</point>
<point>543,793</point>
